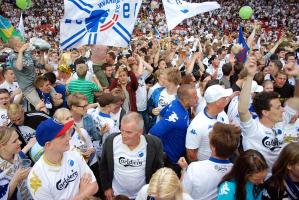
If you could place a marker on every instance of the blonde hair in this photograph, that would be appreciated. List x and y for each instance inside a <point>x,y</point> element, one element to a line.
<point>173,75</point>
<point>60,114</point>
<point>81,70</point>
<point>165,184</point>
<point>5,135</point>
<point>121,69</point>
<point>14,109</point>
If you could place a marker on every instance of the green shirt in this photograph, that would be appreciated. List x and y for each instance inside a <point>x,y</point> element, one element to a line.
<point>84,87</point>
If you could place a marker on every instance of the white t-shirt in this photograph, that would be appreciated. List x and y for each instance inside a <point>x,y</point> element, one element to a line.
<point>77,142</point>
<point>267,141</point>
<point>141,92</point>
<point>201,102</point>
<point>202,178</point>
<point>116,117</point>
<point>142,194</point>
<point>198,133</point>
<point>10,87</point>
<point>164,100</point>
<point>129,167</point>
<point>60,182</point>
<point>101,119</point>
<point>152,89</point>
<point>232,111</point>
<point>3,117</point>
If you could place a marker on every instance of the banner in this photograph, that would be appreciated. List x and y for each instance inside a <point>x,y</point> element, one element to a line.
<point>178,10</point>
<point>106,22</point>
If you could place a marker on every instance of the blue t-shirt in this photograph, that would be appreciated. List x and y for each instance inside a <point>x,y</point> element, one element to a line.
<point>171,129</point>
<point>227,191</point>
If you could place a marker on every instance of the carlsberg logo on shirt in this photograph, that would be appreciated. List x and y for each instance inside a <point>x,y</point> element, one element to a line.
<point>63,183</point>
<point>129,163</point>
<point>272,144</point>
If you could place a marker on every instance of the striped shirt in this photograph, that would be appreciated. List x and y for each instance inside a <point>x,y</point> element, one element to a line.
<point>84,87</point>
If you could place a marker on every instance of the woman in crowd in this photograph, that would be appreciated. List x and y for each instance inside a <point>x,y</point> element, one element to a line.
<point>245,178</point>
<point>12,174</point>
<point>284,182</point>
<point>163,185</point>
<point>127,81</point>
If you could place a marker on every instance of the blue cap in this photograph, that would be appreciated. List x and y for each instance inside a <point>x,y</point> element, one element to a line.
<point>51,129</point>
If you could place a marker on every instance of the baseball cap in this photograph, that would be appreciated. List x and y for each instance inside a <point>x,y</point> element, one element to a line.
<point>51,129</point>
<point>216,92</point>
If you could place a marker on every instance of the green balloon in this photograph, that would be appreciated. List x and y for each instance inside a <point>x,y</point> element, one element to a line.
<point>24,4</point>
<point>246,12</point>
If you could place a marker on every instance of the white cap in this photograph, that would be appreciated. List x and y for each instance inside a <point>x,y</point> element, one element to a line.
<point>255,87</point>
<point>216,92</point>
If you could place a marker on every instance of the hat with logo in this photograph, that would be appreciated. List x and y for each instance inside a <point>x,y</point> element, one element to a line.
<point>50,129</point>
<point>216,92</point>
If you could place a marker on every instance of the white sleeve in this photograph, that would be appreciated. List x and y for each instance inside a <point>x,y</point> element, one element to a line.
<point>187,180</point>
<point>193,137</point>
<point>39,188</point>
<point>87,138</point>
<point>248,128</point>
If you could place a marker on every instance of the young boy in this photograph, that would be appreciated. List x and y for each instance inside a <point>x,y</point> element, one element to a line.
<point>59,173</point>
<point>105,124</point>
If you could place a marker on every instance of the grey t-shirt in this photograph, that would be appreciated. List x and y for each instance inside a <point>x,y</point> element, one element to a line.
<point>26,76</point>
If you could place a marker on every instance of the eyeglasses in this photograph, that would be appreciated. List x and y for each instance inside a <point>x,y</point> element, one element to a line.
<point>85,106</point>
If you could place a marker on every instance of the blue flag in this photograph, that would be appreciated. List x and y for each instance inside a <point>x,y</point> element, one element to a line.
<point>242,55</point>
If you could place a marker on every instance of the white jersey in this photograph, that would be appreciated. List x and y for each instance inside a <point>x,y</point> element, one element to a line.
<point>198,133</point>
<point>11,87</point>
<point>101,119</point>
<point>129,167</point>
<point>267,141</point>
<point>152,89</point>
<point>142,194</point>
<point>3,117</point>
<point>60,182</point>
<point>164,100</point>
<point>202,178</point>
<point>141,92</point>
<point>78,142</point>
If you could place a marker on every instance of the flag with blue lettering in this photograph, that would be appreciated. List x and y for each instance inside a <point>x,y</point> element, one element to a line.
<point>242,55</point>
<point>178,10</point>
<point>106,22</point>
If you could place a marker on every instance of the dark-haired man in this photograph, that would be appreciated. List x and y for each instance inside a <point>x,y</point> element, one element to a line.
<point>262,134</point>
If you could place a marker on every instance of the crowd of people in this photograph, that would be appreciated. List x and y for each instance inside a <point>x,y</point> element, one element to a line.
<point>187,115</point>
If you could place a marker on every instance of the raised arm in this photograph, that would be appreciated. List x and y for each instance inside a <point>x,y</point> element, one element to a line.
<point>251,67</point>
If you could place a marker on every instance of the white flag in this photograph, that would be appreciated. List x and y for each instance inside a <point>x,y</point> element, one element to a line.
<point>178,10</point>
<point>88,22</point>
<point>21,28</point>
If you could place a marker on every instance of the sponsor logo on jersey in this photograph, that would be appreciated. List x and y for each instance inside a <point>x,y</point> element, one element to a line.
<point>130,163</point>
<point>63,183</point>
<point>220,168</point>
<point>272,143</point>
<point>173,117</point>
